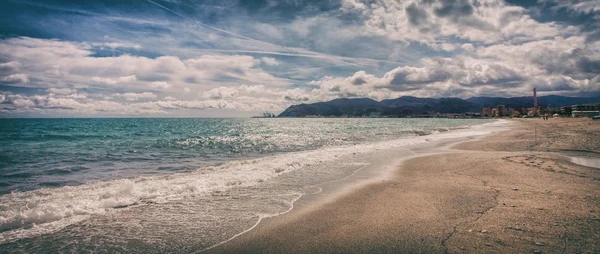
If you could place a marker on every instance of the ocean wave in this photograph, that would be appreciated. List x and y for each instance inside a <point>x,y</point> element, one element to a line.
<point>31,213</point>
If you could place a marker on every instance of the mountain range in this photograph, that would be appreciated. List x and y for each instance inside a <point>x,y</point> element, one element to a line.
<point>408,105</point>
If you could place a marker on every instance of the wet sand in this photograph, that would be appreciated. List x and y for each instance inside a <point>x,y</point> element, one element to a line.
<point>508,192</point>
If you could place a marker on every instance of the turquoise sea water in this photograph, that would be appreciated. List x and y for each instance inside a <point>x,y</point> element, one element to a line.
<point>70,184</point>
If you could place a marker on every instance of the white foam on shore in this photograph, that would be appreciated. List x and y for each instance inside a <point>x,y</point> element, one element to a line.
<point>586,161</point>
<point>32,213</point>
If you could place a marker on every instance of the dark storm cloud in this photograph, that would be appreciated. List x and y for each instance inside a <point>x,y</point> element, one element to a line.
<point>14,79</point>
<point>289,98</point>
<point>151,77</point>
<point>190,80</point>
<point>575,63</point>
<point>503,83</point>
<point>358,81</point>
<point>401,78</point>
<point>454,8</point>
<point>459,11</point>
<point>510,16</point>
<point>578,13</point>
<point>9,68</point>
<point>593,36</point>
<point>403,87</point>
<point>416,15</point>
<point>523,3</point>
<point>588,65</point>
<point>478,24</point>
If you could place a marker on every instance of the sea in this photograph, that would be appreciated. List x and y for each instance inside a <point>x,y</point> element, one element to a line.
<point>148,185</point>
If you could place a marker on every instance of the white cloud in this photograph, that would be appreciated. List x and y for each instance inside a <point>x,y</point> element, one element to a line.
<point>51,103</point>
<point>491,48</point>
<point>244,104</point>
<point>135,96</point>
<point>572,57</point>
<point>18,78</point>
<point>160,85</point>
<point>115,81</point>
<point>582,6</point>
<point>61,91</point>
<point>467,47</point>
<point>253,88</point>
<point>269,61</point>
<point>220,93</point>
<point>115,45</point>
<point>495,70</point>
<point>10,67</point>
<point>487,21</point>
<point>53,63</point>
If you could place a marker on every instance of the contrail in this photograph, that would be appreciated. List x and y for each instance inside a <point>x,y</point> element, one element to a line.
<point>208,26</point>
<point>297,53</point>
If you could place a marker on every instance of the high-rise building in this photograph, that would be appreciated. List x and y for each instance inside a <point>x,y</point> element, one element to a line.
<point>535,102</point>
<point>501,110</point>
<point>487,112</point>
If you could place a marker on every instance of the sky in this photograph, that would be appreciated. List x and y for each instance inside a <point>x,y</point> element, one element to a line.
<point>225,58</point>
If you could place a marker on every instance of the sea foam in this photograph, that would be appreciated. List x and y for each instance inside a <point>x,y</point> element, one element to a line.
<point>32,213</point>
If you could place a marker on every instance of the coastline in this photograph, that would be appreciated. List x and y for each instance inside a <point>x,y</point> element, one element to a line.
<point>384,164</point>
<point>456,199</point>
<point>232,197</point>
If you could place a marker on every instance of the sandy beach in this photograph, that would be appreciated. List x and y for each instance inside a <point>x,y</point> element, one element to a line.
<point>504,193</point>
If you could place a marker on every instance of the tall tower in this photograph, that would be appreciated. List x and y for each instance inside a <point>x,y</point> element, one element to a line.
<point>535,103</point>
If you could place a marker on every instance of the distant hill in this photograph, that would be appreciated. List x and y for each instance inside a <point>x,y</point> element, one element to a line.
<point>408,105</point>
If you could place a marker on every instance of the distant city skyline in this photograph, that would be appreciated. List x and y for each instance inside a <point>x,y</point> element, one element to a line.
<point>241,58</point>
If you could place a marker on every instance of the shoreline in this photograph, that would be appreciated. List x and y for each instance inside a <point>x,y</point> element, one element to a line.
<point>133,199</point>
<point>333,190</point>
<point>354,221</point>
<point>366,175</point>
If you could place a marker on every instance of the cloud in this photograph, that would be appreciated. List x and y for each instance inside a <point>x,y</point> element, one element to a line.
<point>22,102</point>
<point>53,63</point>
<point>160,85</point>
<point>61,90</point>
<point>580,6</point>
<point>116,45</point>
<point>416,15</point>
<point>465,76</point>
<point>429,21</point>
<point>454,8</point>
<point>269,61</point>
<point>12,79</point>
<point>253,88</point>
<point>571,56</point>
<point>281,53</point>
<point>115,81</point>
<point>467,47</point>
<point>220,93</point>
<point>9,68</point>
<point>135,96</point>
<point>18,103</point>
